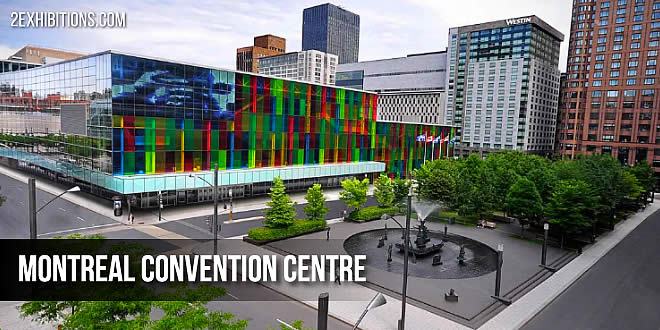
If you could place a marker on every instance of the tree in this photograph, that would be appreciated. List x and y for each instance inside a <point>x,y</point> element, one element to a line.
<point>281,212</point>
<point>354,193</point>
<point>315,208</point>
<point>401,189</point>
<point>384,192</point>
<point>571,206</point>
<point>475,188</point>
<point>436,181</point>
<point>645,176</point>
<point>184,308</point>
<point>524,202</point>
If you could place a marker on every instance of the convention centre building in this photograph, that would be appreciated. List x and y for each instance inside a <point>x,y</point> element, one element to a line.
<point>127,126</point>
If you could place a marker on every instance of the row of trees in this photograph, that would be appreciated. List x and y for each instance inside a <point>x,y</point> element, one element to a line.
<point>573,194</point>
<point>282,212</point>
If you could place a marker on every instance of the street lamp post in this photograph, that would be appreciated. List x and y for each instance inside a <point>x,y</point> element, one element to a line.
<point>376,301</point>
<point>498,276</point>
<point>160,205</point>
<point>406,242</point>
<point>32,201</point>
<point>544,251</point>
<point>231,205</point>
<point>215,205</point>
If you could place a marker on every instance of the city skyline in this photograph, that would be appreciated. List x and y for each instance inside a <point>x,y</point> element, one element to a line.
<point>190,34</point>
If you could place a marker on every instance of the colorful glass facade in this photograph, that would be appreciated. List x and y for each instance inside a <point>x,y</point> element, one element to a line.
<point>153,117</point>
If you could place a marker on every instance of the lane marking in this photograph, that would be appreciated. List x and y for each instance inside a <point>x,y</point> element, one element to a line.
<point>61,209</point>
<point>245,219</point>
<point>79,229</point>
<point>231,295</point>
<point>81,219</point>
<point>237,237</point>
<point>21,203</point>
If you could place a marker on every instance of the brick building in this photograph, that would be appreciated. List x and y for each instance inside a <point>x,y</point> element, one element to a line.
<point>247,58</point>
<point>40,55</point>
<point>610,101</point>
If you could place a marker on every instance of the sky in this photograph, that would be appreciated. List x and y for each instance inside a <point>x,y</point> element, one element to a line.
<point>209,31</point>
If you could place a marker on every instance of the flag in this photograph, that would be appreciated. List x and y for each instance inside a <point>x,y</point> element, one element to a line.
<point>429,138</point>
<point>445,139</point>
<point>436,140</point>
<point>452,141</point>
<point>421,138</point>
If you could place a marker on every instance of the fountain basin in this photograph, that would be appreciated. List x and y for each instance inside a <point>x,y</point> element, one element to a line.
<point>480,259</point>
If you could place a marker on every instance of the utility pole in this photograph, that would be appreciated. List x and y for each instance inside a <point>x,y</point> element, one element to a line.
<point>231,205</point>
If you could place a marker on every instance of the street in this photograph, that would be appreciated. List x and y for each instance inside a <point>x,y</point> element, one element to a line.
<point>63,217</point>
<point>621,291</point>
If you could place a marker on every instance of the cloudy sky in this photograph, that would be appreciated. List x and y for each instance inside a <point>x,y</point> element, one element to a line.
<point>209,31</point>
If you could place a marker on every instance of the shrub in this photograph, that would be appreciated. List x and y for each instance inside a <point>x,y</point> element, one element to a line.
<point>298,227</point>
<point>372,213</point>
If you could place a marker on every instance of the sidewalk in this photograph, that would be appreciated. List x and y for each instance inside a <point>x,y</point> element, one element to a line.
<point>150,216</point>
<point>384,317</point>
<point>524,309</point>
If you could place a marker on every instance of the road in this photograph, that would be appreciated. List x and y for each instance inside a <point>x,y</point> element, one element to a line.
<point>621,291</point>
<point>196,227</point>
<point>60,217</point>
<point>65,217</point>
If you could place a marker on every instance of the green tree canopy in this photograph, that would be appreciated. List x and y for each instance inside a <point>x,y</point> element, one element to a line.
<point>572,206</point>
<point>524,202</point>
<point>281,212</point>
<point>401,189</point>
<point>384,191</point>
<point>354,193</point>
<point>315,208</point>
<point>437,180</point>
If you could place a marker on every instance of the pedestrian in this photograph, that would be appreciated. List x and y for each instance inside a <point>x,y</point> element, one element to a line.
<point>337,277</point>
<point>327,234</point>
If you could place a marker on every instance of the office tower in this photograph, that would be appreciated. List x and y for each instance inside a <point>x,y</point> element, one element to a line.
<point>247,58</point>
<point>308,65</point>
<point>610,97</point>
<point>332,29</point>
<point>503,85</point>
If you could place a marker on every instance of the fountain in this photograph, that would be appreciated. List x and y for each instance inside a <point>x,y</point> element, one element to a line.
<point>421,248</point>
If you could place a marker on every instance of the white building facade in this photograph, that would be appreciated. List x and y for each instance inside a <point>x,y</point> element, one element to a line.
<point>310,65</point>
<point>410,89</point>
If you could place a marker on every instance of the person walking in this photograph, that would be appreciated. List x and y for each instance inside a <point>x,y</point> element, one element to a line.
<point>131,218</point>
<point>327,234</point>
<point>337,277</point>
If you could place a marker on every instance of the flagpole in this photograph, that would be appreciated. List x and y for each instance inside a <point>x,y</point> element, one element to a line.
<point>425,143</point>
<point>432,149</point>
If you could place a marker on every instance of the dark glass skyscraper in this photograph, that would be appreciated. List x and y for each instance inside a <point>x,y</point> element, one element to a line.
<point>333,30</point>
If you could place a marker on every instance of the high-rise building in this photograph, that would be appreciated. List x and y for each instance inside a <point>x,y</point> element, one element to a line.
<point>503,85</point>
<point>611,97</point>
<point>332,29</point>
<point>307,65</point>
<point>41,55</point>
<point>410,89</point>
<point>247,58</point>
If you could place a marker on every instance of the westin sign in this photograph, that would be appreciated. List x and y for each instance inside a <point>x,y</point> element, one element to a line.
<point>516,21</point>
